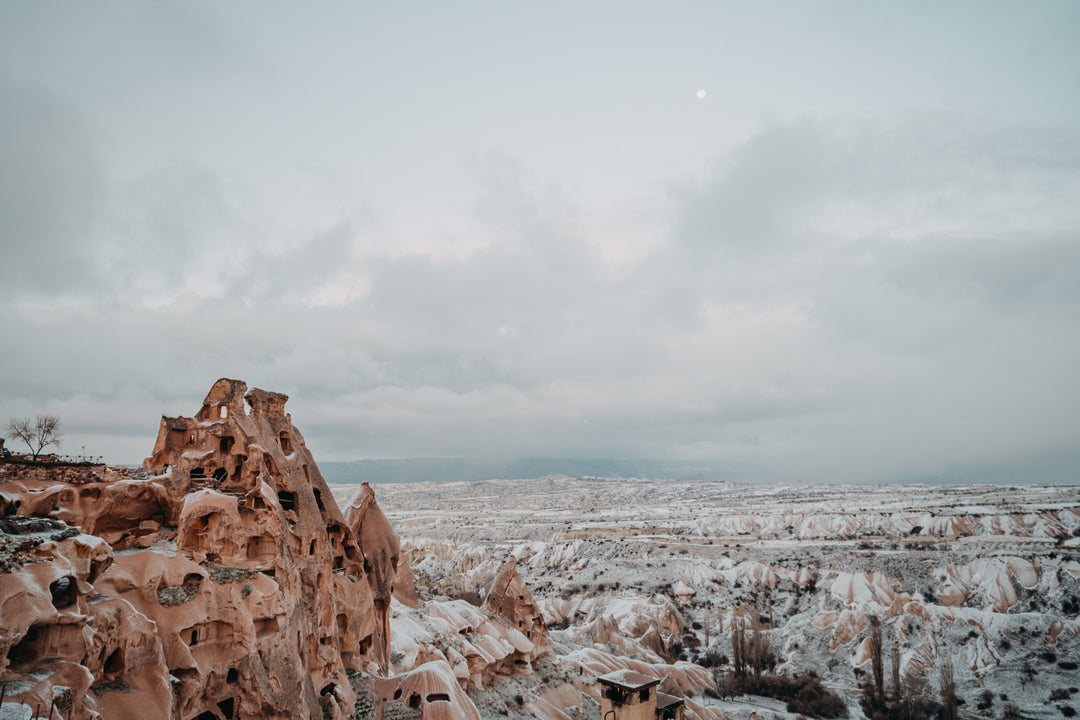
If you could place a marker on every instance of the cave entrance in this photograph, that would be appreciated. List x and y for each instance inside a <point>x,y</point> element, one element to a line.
<point>226,705</point>
<point>26,651</point>
<point>64,592</point>
<point>115,662</point>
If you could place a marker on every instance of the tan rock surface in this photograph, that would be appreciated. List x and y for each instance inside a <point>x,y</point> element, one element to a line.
<point>511,600</point>
<point>225,581</point>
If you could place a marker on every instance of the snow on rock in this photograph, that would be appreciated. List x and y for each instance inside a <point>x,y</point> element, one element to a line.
<point>864,588</point>
<point>554,704</point>
<point>682,590</point>
<point>633,616</point>
<point>474,643</point>
<point>433,688</point>
<point>989,578</point>
<point>848,624</point>
<point>756,573</point>
<point>682,677</point>
<point>699,575</point>
<point>1060,626</point>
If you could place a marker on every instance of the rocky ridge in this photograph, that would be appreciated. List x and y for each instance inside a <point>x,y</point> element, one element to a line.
<point>654,576</point>
<point>222,581</point>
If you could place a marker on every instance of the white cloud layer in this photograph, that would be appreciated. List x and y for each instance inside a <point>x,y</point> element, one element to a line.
<point>490,232</point>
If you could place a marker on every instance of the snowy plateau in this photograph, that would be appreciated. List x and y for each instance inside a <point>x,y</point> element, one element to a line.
<point>653,575</point>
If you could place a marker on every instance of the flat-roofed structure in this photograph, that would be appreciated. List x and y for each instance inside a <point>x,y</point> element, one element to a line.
<point>669,707</point>
<point>628,695</point>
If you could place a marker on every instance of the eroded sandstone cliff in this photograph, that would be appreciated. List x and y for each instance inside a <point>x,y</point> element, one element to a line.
<point>220,582</point>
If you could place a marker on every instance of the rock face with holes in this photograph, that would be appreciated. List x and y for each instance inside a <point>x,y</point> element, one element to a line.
<point>224,581</point>
<point>511,600</point>
<point>62,643</point>
<point>382,554</point>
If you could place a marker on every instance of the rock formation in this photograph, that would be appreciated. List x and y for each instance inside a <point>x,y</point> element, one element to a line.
<point>511,600</point>
<point>221,582</point>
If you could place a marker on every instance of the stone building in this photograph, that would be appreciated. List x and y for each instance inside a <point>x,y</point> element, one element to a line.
<point>627,695</point>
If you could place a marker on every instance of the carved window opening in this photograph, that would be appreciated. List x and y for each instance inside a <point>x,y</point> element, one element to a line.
<point>311,548</point>
<point>64,593</point>
<point>115,662</point>
<point>191,439</point>
<point>220,474</point>
<point>397,694</point>
<point>198,473</point>
<point>644,695</point>
<point>232,676</point>
<point>318,497</point>
<point>223,412</point>
<point>328,689</point>
<point>25,651</point>
<point>207,716</point>
<point>194,638</point>
<point>339,562</point>
<point>260,546</point>
<point>226,705</point>
<point>438,697</point>
<point>414,701</point>
<point>226,443</point>
<point>266,627</point>
<point>202,523</point>
<point>95,570</point>
<point>287,500</point>
<point>286,443</point>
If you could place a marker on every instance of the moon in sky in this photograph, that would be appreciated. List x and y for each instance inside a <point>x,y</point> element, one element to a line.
<point>700,94</point>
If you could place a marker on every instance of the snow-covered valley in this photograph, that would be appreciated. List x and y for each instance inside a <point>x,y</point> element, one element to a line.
<point>654,576</point>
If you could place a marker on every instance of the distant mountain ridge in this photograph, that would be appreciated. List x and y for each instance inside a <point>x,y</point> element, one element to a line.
<point>474,469</point>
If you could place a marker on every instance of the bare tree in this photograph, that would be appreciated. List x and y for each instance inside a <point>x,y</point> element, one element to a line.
<point>758,648</point>
<point>39,434</point>
<point>875,660</point>
<point>948,691</point>
<point>738,647</point>
<point>894,658</point>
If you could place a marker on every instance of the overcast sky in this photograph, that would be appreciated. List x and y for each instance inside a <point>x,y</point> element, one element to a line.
<point>497,229</point>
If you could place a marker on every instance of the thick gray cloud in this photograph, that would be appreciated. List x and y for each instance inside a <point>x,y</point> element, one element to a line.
<point>493,232</point>
<point>50,185</point>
